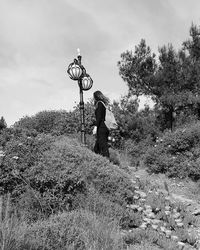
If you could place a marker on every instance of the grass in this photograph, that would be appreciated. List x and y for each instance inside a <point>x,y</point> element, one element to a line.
<point>110,211</point>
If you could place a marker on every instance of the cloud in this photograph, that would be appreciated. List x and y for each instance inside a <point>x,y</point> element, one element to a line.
<point>39,39</point>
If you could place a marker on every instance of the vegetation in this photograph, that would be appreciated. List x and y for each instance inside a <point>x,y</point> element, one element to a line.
<point>57,194</point>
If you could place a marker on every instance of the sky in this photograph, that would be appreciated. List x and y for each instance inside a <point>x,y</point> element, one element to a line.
<point>39,39</point>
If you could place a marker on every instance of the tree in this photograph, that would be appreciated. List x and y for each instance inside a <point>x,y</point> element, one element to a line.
<point>137,69</point>
<point>2,123</point>
<point>134,124</point>
<point>172,81</point>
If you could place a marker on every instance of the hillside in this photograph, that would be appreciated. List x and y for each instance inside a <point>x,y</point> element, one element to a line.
<point>58,194</point>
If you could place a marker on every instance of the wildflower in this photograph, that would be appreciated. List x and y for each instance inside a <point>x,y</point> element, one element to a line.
<point>155,221</point>
<point>154,226</point>
<point>180,224</point>
<point>174,237</point>
<point>15,172</point>
<point>143,195</point>
<point>133,206</point>
<point>143,226</point>
<point>168,232</point>
<point>181,244</point>
<point>140,209</point>
<point>136,197</point>
<point>162,229</point>
<point>2,154</point>
<point>151,215</point>
<point>137,191</point>
<point>15,157</point>
<point>147,219</point>
<point>167,208</point>
<point>178,220</point>
<point>133,181</point>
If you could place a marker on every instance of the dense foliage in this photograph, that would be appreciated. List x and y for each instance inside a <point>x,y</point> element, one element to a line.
<point>176,153</point>
<point>172,81</point>
<point>58,122</point>
<point>56,172</point>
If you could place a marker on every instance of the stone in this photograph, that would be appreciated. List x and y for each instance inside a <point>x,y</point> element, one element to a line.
<point>176,215</point>
<point>196,212</point>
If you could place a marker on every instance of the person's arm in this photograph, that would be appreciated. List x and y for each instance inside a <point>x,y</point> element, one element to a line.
<point>100,112</point>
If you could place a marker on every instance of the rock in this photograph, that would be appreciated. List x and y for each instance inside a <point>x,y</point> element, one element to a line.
<point>174,237</point>
<point>155,221</point>
<point>143,195</point>
<point>178,220</point>
<point>176,215</point>
<point>154,226</point>
<point>136,197</point>
<point>196,212</point>
<point>180,224</point>
<point>134,207</point>
<point>167,208</point>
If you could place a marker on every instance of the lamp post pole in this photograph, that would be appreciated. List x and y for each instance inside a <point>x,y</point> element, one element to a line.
<point>78,73</point>
<point>81,104</point>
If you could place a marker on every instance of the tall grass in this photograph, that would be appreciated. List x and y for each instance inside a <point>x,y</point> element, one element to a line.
<point>8,225</point>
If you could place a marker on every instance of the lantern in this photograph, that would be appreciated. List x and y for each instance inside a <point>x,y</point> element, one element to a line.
<point>87,82</point>
<point>74,70</point>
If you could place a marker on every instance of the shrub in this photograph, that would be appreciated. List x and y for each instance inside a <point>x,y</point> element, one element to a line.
<point>53,122</point>
<point>46,174</point>
<point>73,230</point>
<point>68,169</point>
<point>22,149</point>
<point>176,153</point>
<point>136,150</point>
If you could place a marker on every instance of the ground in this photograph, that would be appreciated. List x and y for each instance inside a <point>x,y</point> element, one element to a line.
<point>179,190</point>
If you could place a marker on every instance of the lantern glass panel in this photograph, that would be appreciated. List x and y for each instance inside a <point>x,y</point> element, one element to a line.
<point>75,71</point>
<point>86,83</point>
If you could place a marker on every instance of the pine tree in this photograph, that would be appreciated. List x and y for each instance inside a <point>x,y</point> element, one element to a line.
<point>2,123</point>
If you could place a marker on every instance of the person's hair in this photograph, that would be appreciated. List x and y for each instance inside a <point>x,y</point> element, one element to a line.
<point>99,96</point>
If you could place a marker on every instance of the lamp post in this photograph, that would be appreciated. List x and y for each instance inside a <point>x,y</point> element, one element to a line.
<point>77,72</point>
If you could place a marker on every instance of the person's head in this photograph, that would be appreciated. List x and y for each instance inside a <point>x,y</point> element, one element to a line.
<point>99,96</point>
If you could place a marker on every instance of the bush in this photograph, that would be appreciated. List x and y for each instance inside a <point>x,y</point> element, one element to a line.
<point>74,230</point>
<point>137,150</point>
<point>176,153</point>
<point>46,174</point>
<point>69,169</point>
<point>53,122</point>
<point>22,150</point>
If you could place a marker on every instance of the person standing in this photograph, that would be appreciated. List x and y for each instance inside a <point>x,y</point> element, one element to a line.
<point>100,129</point>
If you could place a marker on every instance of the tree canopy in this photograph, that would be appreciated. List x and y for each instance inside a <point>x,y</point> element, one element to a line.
<point>171,79</point>
<point>171,74</point>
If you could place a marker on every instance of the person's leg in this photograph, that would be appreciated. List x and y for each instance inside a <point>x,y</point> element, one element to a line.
<point>103,142</point>
<point>96,146</point>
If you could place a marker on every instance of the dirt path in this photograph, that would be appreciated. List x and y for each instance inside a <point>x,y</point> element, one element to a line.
<point>184,191</point>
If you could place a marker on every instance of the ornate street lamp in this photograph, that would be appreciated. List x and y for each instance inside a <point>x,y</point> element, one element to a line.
<point>78,73</point>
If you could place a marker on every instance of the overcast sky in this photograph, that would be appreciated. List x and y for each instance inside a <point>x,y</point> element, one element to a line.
<point>39,38</point>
